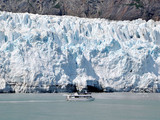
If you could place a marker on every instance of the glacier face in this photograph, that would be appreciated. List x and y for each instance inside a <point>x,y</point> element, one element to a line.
<point>41,51</point>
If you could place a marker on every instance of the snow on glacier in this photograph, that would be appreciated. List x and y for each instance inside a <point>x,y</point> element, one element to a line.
<point>47,50</point>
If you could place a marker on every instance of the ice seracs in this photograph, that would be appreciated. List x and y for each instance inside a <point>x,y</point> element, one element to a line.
<point>41,53</point>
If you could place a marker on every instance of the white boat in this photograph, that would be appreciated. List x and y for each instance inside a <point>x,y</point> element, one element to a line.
<point>80,97</point>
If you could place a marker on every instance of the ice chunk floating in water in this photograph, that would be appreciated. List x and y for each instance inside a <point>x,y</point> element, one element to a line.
<point>38,52</point>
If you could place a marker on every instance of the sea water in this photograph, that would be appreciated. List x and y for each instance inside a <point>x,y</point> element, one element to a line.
<point>107,106</point>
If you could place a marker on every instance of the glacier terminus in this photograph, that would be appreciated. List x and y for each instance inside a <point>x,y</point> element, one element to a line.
<point>44,53</point>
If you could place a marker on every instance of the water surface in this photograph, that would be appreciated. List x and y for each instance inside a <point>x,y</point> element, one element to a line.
<point>107,106</point>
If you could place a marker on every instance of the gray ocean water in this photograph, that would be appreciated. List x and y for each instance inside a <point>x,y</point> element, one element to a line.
<point>112,106</point>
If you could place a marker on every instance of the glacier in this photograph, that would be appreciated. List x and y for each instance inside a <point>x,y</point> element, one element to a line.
<point>40,53</point>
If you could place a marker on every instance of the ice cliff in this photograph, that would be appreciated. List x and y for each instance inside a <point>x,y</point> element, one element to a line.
<point>43,53</point>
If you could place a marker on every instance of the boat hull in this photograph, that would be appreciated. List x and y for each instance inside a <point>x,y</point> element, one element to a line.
<point>80,99</point>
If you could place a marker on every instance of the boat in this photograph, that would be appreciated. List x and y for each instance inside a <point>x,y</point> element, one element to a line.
<point>79,97</point>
